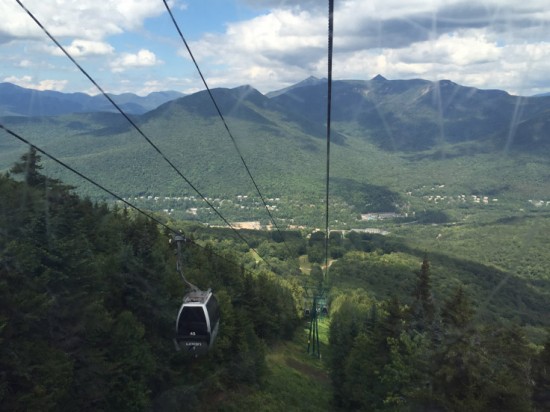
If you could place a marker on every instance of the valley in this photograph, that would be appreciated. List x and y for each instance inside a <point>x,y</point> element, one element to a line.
<point>187,226</point>
<point>439,188</point>
<point>378,164</point>
<point>113,270</point>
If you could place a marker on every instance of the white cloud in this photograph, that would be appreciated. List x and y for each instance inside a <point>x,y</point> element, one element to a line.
<point>27,82</point>
<point>24,63</point>
<point>469,59</point>
<point>276,33</point>
<point>87,19</point>
<point>470,47</point>
<point>398,39</point>
<point>143,58</point>
<point>149,87</point>
<point>82,48</point>
<point>270,48</point>
<point>490,43</point>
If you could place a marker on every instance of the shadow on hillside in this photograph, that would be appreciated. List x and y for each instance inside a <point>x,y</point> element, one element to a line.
<point>365,197</point>
<point>495,292</point>
<point>447,153</point>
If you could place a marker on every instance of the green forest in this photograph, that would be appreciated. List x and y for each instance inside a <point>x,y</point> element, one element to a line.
<point>89,294</point>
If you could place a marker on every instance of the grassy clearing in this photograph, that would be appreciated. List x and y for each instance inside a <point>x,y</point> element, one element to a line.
<point>305,264</point>
<point>296,381</point>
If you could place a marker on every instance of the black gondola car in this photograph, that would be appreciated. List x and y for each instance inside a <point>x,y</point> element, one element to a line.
<point>198,322</point>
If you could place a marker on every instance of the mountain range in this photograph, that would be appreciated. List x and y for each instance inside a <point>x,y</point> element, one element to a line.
<point>389,137</point>
<point>395,114</point>
<point>19,101</point>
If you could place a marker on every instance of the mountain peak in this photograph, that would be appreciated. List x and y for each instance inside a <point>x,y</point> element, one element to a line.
<point>310,81</point>
<point>379,78</point>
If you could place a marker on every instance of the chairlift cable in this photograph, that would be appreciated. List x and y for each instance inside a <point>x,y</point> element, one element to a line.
<point>203,301</point>
<point>110,192</point>
<point>313,346</point>
<point>89,180</point>
<point>179,263</point>
<point>329,107</point>
<point>136,127</point>
<point>226,126</point>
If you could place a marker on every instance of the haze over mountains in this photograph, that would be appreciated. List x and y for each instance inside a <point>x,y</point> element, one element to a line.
<point>389,137</point>
<point>19,101</point>
<point>395,114</point>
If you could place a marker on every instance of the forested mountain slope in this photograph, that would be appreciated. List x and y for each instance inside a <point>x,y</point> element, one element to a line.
<point>89,298</point>
<point>415,115</point>
<point>392,138</point>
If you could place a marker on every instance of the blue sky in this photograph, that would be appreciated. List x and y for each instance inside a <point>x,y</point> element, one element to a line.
<point>132,46</point>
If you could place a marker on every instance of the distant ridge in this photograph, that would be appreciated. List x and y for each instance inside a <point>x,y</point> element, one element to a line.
<point>19,101</point>
<point>379,126</point>
<point>396,115</point>
<point>310,81</point>
<point>416,114</point>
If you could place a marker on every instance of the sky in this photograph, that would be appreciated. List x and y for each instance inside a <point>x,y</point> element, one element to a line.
<point>133,46</point>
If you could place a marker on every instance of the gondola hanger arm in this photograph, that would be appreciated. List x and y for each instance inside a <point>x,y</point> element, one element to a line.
<point>179,239</point>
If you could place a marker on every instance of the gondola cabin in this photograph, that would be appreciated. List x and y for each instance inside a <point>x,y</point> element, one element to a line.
<point>198,322</point>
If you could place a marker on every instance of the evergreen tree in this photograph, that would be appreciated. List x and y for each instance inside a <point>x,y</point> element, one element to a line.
<point>457,312</point>
<point>380,372</point>
<point>460,361</point>
<point>509,380</point>
<point>423,308</point>
<point>29,166</point>
<point>349,316</point>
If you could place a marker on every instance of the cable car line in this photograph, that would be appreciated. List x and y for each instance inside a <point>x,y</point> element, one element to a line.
<point>110,192</point>
<point>197,322</point>
<point>319,292</point>
<point>179,264</point>
<point>198,319</point>
<point>89,180</point>
<point>329,107</point>
<point>192,301</point>
<point>226,126</point>
<point>136,127</point>
<point>157,149</point>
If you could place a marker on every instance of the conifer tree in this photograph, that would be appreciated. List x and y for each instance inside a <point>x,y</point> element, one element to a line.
<point>423,308</point>
<point>460,361</point>
<point>30,167</point>
<point>457,311</point>
<point>508,380</point>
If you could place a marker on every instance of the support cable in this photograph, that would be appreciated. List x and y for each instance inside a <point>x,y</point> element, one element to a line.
<point>218,110</point>
<point>89,180</point>
<point>136,127</point>
<point>179,239</point>
<point>329,104</point>
<point>175,232</point>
